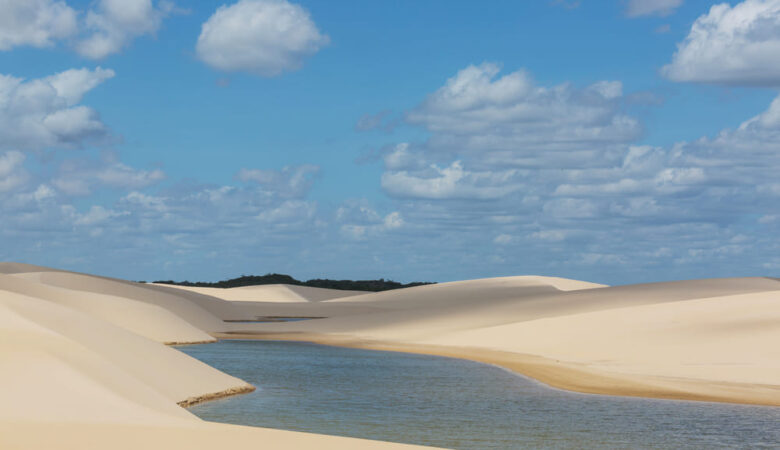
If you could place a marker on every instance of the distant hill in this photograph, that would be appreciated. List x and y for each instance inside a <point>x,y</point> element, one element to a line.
<point>276,278</point>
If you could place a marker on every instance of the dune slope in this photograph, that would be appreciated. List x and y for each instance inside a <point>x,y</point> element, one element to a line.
<point>281,293</point>
<point>663,339</point>
<point>146,319</point>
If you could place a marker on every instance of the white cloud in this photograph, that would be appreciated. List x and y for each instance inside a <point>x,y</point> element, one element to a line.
<point>511,142</point>
<point>570,208</point>
<point>503,239</point>
<point>95,216</point>
<point>264,37</point>
<point>450,182</point>
<point>146,201</point>
<point>12,175</point>
<point>43,112</point>
<point>104,29</point>
<point>731,45</point>
<point>291,181</point>
<point>393,221</point>
<point>81,176</point>
<point>113,24</point>
<point>549,235</point>
<point>636,8</point>
<point>360,221</point>
<point>37,23</point>
<point>289,211</point>
<point>122,176</point>
<point>512,121</point>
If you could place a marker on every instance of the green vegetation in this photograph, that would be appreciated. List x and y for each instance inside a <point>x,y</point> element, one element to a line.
<point>275,278</point>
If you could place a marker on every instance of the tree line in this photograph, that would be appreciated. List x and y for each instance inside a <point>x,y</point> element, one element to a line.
<point>276,278</point>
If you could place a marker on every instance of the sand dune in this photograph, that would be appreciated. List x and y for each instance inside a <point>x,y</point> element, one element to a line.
<point>731,338</point>
<point>74,376</point>
<point>189,434</point>
<point>183,377</point>
<point>281,293</point>
<point>146,319</point>
<point>668,339</point>
<point>82,359</point>
<point>194,313</point>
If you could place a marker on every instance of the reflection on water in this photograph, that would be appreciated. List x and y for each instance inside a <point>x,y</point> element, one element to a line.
<point>453,403</point>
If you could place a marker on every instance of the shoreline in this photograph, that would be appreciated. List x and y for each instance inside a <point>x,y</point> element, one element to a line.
<point>553,373</point>
<point>238,390</point>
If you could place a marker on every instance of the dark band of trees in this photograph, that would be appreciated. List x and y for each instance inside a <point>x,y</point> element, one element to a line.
<point>275,278</point>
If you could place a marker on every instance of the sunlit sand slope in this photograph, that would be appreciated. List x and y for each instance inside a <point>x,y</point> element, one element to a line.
<point>193,312</point>
<point>715,331</point>
<point>146,319</point>
<point>281,293</point>
<point>75,375</point>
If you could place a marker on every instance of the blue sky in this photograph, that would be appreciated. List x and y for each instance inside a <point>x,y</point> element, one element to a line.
<point>613,141</point>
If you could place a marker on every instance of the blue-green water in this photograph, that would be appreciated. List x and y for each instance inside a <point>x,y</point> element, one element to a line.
<point>454,403</point>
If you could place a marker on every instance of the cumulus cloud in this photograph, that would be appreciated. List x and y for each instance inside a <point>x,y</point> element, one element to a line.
<point>113,24</point>
<point>732,45</point>
<point>263,37</point>
<point>105,28</point>
<point>511,120</point>
<point>94,216</point>
<point>451,182</point>
<point>12,175</point>
<point>37,23</point>
<point>636,8</point>
<point>289,211</point>
<point>44,112</point>
<point>583,199</point>
<point>81,176</point>
<point>358,220</point>
<point>291,181</point>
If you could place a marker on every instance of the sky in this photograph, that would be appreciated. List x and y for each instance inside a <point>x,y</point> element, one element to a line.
<point>618,142</point>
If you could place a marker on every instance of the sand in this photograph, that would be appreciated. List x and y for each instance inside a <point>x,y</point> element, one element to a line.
<point>77,375</point>
<point>700,339</point>
<point>281,293</point>
<point>84,362</point>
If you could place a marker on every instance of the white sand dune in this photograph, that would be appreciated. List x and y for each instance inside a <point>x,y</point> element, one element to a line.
<point>194,313</point>
<point>734,338</point>
<point>701,339</point>
<point>183,378</point>
<point>82,361</point>
<point>146,319</point>
<point>75,376</point>
<point>274,293</point>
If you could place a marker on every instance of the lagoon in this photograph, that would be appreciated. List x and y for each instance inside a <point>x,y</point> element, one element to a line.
<point>453,403</point>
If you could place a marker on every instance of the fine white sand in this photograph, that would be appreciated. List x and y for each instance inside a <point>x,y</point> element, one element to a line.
<point>76,374</point>
<point>83,362</point>
<point>274,293</point>
<point>700,339</point>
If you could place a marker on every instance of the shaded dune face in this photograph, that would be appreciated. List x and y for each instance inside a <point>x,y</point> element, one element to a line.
<point>145,319</point>
<point>188,309</point>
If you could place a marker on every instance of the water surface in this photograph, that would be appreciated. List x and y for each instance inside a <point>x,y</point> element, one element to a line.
<point>431,400</point>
